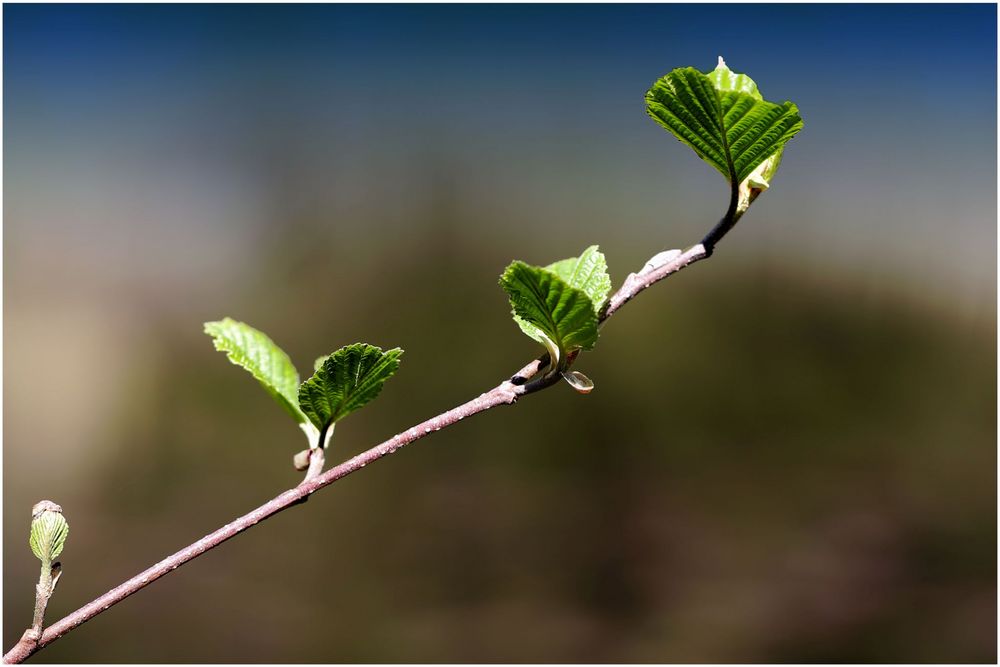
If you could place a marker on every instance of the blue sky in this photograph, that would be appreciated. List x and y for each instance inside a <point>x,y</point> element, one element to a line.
<point>535,111</point>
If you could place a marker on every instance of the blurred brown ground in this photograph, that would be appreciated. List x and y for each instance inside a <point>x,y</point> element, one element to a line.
<point>775,465</point>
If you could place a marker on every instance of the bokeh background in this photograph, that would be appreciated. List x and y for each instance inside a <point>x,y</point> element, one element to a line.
<point>791,451</point>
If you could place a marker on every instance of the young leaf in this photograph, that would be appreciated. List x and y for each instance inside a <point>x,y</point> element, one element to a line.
<point>347,379</point>
<point>549,310</point>
<point>724,118</point>
<point>254,351</point>
<point>588,272</point>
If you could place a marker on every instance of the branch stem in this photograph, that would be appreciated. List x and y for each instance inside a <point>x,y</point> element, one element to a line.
<point>507,392</point>
<point>728,220</point>
<point>43,591</point>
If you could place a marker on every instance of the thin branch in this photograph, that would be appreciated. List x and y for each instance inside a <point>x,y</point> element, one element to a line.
<point>728,220</point>
<point>43,591</point>
<point>654,271</point>
<point>507,392</point>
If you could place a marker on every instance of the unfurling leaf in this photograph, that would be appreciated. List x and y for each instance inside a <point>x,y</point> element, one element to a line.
<point>48,531</point>
<point>253,350</point>
<point>345,381</point>
<point>588,272</point>
<point>724,118</point>
<point>549,310</point>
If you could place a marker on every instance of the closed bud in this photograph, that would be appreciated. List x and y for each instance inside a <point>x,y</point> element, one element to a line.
<point>301,460</point>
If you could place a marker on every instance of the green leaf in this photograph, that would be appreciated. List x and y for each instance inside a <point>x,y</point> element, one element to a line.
<point>254,351</point>
<point>345,381</point>
<point>724,118</point>
<point>550,310</point>
<point>588,272</point>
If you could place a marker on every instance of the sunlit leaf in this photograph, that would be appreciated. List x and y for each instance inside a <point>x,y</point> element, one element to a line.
<point>724,118</point>
<point>345,381</point>
<point>253,350</point>
<point>546,307</point>
<point>588,272</point>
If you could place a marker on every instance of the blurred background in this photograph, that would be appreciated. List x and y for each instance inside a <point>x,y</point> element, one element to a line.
<point>791,451</point>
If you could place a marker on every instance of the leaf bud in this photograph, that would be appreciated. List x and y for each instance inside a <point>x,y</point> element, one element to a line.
<point>48,531</point>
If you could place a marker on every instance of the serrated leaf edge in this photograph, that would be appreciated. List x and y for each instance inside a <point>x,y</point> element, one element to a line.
<point>684,84</point>
<point>327,367</point>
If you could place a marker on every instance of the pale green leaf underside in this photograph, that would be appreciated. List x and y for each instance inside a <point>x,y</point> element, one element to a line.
<point>253,350</point>
<point>48,536</point>
<point>723,118</point>
<point>588,272</point>
<point>544,302</point>
<point>345,381</point>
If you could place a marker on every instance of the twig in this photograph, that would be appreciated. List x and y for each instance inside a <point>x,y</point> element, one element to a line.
<point>654,271</point>
<point>507,392</point>
<point>730,219</point>
<point>43,591</point>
